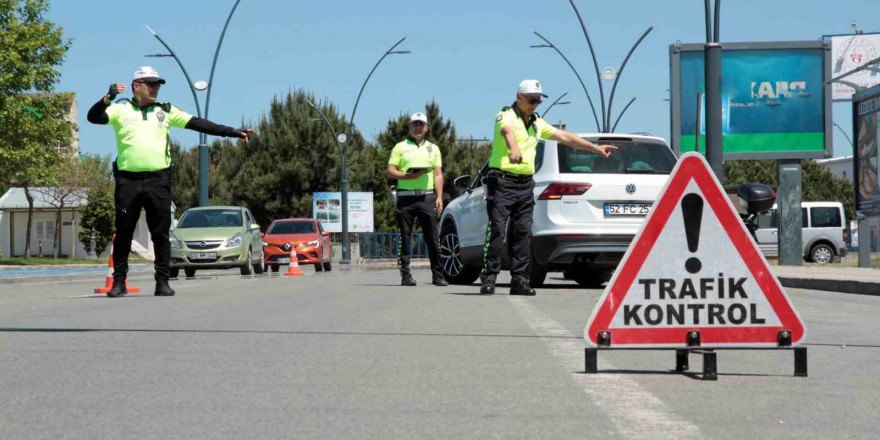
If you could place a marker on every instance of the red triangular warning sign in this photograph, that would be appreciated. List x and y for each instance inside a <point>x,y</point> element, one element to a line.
<point>693,266</point>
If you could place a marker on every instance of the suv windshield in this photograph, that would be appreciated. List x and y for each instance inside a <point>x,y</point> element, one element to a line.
<point>211,218</point>
<point>630,158</point>
<point>292,228</point>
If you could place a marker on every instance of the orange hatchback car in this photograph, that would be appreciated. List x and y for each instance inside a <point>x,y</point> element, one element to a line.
<point>311,242</point>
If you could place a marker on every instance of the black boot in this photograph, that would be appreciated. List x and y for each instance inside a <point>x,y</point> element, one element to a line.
<point>487,285</point>
<point>163,289</point>
<point>438,280</point>
<point>407,280</point>
<point>520,286</point>
<point>118,288</point>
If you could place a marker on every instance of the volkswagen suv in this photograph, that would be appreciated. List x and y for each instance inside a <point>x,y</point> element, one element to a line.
<point>587,210</point>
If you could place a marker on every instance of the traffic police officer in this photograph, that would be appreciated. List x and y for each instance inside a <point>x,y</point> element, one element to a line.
<point>510,186</point>
<point>143,167</point>
<point>417,165</point>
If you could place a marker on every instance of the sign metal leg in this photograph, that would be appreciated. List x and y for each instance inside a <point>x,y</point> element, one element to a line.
<point>710,366</point>
<point>681,360</point>
<point>800,361</point>
<point>591,356</point>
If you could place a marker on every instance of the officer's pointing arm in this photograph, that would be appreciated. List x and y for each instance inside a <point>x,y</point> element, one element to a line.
<point>580,143</point>
<point>205,126</point>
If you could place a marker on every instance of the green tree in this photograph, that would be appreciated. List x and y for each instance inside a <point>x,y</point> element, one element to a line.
<point>99,213</point>
<point>818,184</point>
<point>291,157</point>
<point>33,122</point>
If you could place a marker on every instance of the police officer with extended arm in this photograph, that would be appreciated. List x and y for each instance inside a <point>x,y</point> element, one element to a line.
<point>143,167</point>
<point>510,186</point>
<point>417,165</point>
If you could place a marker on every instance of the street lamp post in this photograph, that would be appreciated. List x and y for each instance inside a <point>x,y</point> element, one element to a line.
<point>556,102</point>
<point>200,85</point>
<point>341,139</point>
<point>583,86</point>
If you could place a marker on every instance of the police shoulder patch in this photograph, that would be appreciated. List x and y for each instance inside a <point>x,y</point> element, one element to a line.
<point>499,117</point>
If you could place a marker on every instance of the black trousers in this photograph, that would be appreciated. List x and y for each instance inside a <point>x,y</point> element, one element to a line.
<point>513,199</point>
<point>150,191</point>
<point>422,208</point>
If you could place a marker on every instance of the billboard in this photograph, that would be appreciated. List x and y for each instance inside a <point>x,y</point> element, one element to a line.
<point>775,101</point>
<point>849,52</point>
<point>866,168</point>
<point>327,207</point>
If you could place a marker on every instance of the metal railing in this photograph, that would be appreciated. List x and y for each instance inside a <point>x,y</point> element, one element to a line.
<point>374,245</point>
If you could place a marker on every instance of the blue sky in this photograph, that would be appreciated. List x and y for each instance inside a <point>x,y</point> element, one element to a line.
<point>469,56</point>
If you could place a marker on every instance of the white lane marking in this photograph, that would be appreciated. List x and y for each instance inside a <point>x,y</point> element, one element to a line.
<point>87,296</point>
<point>634,411</point>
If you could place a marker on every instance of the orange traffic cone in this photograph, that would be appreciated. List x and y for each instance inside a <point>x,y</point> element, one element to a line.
<point>108,284</point>
<point>293,268</point>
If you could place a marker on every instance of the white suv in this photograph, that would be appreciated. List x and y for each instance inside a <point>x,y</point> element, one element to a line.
<point>587,210</point>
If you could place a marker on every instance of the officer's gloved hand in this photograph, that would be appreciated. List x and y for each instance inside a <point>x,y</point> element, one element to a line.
<point>114,90</point>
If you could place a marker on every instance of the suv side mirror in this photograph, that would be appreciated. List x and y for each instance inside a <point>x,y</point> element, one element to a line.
<point>255,227</point>
<point>325,233</point>
<point>756,197</point>
<point>462,182</point>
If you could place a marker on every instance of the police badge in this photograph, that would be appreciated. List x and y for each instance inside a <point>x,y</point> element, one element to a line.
<point>160,115</point>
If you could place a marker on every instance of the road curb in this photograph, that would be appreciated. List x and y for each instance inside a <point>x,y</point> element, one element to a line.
<point>840,286</point>
<point>71,278</point>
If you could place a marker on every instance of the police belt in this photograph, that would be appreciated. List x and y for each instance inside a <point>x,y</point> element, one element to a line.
<point>414,192</point>
<point>495,172</point>
<point>139,175</point>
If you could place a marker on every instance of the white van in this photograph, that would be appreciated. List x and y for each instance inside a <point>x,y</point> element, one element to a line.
<point>824,232</point>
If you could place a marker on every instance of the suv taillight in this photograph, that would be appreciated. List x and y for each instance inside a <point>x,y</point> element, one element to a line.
<point>556,190</point>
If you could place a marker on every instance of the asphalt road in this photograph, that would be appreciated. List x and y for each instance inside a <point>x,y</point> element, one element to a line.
<point>350,354</point>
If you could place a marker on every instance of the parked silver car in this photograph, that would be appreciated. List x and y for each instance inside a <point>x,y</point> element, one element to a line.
<point>823,231</point>
<point>587,210</point>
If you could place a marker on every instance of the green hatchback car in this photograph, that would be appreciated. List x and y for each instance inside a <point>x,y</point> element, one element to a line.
<point>216,237</point>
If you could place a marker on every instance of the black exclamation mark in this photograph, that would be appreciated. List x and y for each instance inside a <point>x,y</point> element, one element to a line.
<point>692,208</point>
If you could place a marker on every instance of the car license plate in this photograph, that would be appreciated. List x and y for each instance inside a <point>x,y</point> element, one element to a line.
<point>283,260</point>
<point>627,209</point>
<point>203,255</point>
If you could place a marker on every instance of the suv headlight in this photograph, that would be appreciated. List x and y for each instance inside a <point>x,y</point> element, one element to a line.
<point>312,243</point>
<point>175,243</point>
<point>235,240</point>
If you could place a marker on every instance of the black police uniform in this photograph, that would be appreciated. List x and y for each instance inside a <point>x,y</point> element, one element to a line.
<point>510,194</point>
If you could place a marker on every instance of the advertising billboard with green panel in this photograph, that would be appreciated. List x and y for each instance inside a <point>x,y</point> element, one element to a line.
<point>775,101</point>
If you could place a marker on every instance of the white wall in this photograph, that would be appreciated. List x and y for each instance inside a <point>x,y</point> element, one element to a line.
<point>69,234</point>
<point>4,234</point>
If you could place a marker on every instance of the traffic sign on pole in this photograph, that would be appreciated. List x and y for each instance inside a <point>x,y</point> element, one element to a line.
<point>693,277</point>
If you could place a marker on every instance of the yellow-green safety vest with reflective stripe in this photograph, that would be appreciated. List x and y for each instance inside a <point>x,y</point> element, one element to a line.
<point>526,138</point>
<point>143,135</point>
<point>408,154</point>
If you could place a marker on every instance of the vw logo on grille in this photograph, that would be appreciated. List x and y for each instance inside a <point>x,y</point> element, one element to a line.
<point>204,244</point>
<point>286,246</point>
<point>631,188</point>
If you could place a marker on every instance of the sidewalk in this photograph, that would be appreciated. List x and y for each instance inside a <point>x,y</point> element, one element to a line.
<point>830,277</point>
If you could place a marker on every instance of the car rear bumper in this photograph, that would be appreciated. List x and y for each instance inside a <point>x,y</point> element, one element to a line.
<point>593,250</point>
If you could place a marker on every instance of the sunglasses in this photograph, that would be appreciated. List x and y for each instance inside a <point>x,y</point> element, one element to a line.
<point>535,101</point>
<point>151,83</point>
